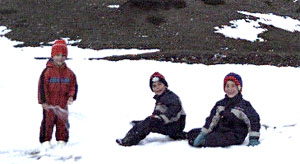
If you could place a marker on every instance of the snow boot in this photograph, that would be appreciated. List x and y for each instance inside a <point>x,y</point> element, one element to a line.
<point>119,141</point>
<point>61,144</point>
<point>122,142</point>
<point>46,146</point>
<point>128,140</point>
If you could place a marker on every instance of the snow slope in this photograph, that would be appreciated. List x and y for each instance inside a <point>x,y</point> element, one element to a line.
<point>111,94</point>
<point>249,29</point>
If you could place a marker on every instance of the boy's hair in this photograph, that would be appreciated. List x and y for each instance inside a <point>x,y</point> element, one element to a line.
<point>235,78</point>
<point>156,76</point>
<point>59,47</point>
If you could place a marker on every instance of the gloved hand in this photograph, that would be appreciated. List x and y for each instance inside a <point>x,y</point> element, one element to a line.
<point>45,106</point>
<point>253,142</point>
<point>200,139</point>
<point>156,112</point>
<point>70,100</point>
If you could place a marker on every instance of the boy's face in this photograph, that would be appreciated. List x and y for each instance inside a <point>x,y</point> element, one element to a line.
<point>231,89</point>
<point>59,59</point>
<point>158,87</point>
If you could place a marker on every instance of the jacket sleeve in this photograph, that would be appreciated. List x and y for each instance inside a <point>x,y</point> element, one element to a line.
<point>213,119</point>
<point>254,122</point>
<point>42,90</point>
<point>250,117</point>
<point>73,88</point>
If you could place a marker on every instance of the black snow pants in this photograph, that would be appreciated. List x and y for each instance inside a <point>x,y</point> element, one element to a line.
<point>217,138</point>
<point>140,130</point>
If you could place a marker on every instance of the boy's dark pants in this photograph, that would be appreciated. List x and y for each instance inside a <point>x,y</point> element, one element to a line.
<point>217,138</point>
<point>139,131</point>
<point>49,120</point>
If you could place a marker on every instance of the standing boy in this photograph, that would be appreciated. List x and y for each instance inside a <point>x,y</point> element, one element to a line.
<point>230,120</point>
<point>57,89</point>
<point>168,117</point>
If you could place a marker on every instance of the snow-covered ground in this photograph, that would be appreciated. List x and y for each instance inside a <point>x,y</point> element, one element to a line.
<point>248,29</point>
<point>113,6</point>
<point>111,94</point>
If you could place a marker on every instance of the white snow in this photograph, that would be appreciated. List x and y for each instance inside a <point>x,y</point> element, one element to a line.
<point>111,94</point>
<point>113,6</point>
<point>74,51</point>
<point>249,30</point>
<point>285,23</point>
<point>68,40</point>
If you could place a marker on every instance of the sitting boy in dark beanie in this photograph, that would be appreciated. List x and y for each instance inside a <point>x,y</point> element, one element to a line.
<point>230,120</point>
<point>168,117</point>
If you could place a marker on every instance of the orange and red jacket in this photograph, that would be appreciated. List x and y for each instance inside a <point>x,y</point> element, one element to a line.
<point>56,85</point>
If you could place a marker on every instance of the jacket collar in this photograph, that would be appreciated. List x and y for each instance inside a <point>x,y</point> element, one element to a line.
<point>50,63</point>
<point>156,97</point>
<point>230,102</point>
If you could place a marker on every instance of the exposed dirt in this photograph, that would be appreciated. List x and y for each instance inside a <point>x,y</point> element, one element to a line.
<point>183,29</point>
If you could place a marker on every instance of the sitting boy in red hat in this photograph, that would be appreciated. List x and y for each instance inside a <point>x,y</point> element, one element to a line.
<point>57,89</point>
<point>168,117</point>
<point>230,120</point>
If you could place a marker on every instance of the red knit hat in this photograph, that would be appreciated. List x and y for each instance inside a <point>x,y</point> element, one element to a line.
<point>59,47</point>
<point>156,76</point>
<point>235,78</point>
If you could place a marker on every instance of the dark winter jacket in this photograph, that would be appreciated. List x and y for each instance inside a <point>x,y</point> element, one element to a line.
<point>56,85</point>
<point>168,107</point>
<point>233,115</point>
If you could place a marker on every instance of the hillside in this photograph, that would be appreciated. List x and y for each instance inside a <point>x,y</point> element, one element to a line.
<point>183,34</point>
